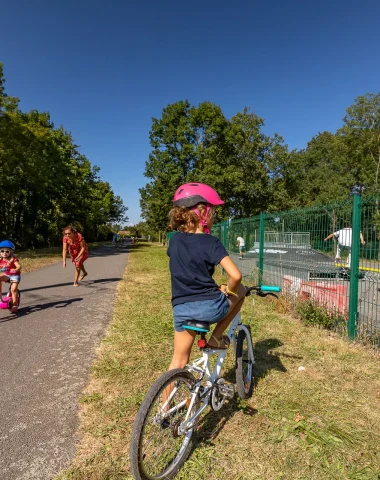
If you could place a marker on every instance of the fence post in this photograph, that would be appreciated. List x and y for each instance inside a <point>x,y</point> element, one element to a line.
<point>225,234</point>
<point>247,237</point>
<point>354,272</point>
<point>261,248</point>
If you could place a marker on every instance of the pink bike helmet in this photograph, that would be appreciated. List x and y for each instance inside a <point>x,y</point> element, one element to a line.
<point>189,194</point>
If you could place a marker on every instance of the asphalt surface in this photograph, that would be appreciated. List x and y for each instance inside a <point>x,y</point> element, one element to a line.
<point>46,352</point>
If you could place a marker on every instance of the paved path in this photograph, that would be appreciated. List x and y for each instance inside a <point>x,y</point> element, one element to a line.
<point>46,352</point>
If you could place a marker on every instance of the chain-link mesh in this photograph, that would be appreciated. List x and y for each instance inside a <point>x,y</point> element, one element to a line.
<point>310,254</point>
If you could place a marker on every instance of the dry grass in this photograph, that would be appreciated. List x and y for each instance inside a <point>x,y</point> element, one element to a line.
<point>35,259</point>
<point>318,423</point>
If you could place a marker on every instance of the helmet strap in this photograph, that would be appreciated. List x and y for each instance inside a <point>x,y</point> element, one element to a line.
<point>203,220</point>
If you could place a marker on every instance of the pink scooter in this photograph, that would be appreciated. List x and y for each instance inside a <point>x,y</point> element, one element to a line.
<point>6,301</point>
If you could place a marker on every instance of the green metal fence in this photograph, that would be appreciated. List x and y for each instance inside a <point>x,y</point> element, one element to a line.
<point>318,256</point>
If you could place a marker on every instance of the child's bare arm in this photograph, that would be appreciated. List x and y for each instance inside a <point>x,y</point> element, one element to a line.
<point>64,254</point>
<point>233,273</point>
<point>18,267</point>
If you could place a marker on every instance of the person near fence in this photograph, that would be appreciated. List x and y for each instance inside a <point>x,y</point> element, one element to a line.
<point>241,245</point>
<point>74,242</point>
<point>344,239</point>
<point>193,256</point>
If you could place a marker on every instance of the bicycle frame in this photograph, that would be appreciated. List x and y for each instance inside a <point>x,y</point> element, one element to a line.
<point>201,366</point>
<point>178,398</point>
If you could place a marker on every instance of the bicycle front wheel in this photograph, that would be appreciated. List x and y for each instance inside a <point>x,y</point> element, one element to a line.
<point>244,366</point>
<point>158,447</point>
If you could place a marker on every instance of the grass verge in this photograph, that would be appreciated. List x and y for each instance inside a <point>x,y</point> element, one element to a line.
<point>318,422</point>
<point>34,259</point>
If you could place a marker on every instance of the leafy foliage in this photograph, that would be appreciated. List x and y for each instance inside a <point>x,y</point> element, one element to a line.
<point>319,315</point>
<point>361,135</point>
<point>200,144</point>
<point>254,172</point>
<point>46,183</point>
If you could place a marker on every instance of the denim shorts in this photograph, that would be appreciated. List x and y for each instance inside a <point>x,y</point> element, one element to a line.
<point>211,311</point>
<point>13,278</point>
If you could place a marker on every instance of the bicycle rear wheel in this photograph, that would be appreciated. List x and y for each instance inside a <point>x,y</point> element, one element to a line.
<point>244,366</point>
<point>158,450</point>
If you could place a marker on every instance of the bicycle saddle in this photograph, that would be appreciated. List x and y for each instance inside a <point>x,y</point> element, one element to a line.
<point>196,326</point>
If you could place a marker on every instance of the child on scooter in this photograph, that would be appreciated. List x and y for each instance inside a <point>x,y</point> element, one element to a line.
<point>10,270</point>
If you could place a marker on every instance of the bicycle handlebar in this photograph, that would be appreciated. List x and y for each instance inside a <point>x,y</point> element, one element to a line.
<point>270,288</point>
<point>263,291</point>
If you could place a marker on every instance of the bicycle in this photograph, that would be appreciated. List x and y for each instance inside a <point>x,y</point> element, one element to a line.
<point>166,421</point>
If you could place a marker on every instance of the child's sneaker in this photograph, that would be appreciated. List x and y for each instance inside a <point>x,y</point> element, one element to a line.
<point>14,309</point>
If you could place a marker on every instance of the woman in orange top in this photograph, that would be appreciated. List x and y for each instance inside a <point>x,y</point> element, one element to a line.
<point>78,250</point>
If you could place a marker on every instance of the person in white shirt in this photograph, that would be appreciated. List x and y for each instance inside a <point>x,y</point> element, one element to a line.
<point>241,245</point>
<point>344,238</point>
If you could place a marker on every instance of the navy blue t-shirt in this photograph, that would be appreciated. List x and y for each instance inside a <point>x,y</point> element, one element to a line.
<point>193,257</point>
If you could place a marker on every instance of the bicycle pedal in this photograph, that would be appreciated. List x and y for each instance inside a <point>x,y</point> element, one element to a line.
<point>226,389</point>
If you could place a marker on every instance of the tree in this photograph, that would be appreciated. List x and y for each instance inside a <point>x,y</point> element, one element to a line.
<point>43,176</point>
<point>254,165</point>
<point>361,135</point>
<point>200,144</point>
<point>188,145</point>
<point>316,175</point>
<point>254,172</point>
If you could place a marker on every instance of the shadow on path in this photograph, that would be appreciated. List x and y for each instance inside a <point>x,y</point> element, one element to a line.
<point>87,283</point>
<point>116,249</point>
<point>23,311</point>
<point>108,251</point>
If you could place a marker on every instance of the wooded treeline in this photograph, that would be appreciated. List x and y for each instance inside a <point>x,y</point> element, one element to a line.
<point>255,172</point>
<point>46,183</point>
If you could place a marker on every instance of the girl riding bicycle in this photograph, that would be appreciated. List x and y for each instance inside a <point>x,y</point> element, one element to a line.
<point>10,270</point>
<point>163,429</point>
<point>193,257</point>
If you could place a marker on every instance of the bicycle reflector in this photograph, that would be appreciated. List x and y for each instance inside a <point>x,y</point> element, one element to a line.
<point>202,343</point>
<point>269,288</point>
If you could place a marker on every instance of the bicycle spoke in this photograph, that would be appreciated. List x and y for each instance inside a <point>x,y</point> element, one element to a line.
<point>161,443</point>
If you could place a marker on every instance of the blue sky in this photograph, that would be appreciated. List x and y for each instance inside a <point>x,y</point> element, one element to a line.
<point>104,69</point>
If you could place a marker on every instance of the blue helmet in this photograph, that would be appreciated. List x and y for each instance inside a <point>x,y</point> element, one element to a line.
<point>7,244</point>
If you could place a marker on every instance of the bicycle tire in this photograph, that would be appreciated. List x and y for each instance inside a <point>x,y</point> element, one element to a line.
<point>244,367</point>
<point>172,462</point>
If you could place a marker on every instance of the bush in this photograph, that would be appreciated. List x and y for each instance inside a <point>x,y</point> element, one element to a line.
<point>320,316</point>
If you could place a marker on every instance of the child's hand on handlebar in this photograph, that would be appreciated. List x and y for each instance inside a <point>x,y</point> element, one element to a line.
<point>227,292</point>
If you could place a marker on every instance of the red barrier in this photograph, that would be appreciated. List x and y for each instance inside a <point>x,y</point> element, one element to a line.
<point>331,296</point>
